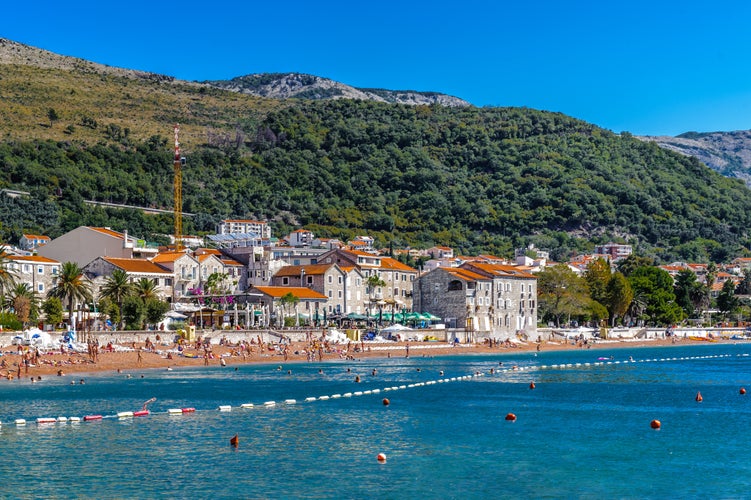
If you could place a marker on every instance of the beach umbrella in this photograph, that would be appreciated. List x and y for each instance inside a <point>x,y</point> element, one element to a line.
<point>430,317</point>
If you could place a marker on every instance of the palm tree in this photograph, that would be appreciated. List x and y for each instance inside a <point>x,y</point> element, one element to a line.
<point>146,289</point>
<point>24,302</point>
<point>72,287</point>
<point>116,288</point>
<point>7,274</point>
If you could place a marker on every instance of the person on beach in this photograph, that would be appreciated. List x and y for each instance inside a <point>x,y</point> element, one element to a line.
<point>140,357</point>
<point>407,348</point>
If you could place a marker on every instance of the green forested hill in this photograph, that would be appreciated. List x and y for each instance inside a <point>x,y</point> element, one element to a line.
<point>477,179</point>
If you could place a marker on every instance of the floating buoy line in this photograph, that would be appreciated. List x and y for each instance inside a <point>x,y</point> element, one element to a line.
<point>65,420</point>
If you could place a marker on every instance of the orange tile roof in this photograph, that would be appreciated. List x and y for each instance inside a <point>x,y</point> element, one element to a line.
<point>33,258</point>
<point>300,292</point>
<point>136,266</point>
<point>167,257</point>
<point>464,274</point>
<point>108,232</point>
<point>393,264</point>
<point>36,237</point>
<point>313,269</point>
<point>503,270</point>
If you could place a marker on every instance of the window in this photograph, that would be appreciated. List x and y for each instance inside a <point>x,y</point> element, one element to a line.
<point>340,280</point>
<point>339,293</point>
<point>40,270</point>
<point>285,280</point>
<point>40,287</point>
<point>310,280</point>
<point>331,279</point>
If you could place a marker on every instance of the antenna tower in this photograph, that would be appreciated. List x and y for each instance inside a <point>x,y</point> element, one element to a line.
<point>178,192</point>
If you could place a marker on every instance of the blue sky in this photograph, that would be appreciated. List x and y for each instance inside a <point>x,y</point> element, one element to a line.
<point>647,67</point>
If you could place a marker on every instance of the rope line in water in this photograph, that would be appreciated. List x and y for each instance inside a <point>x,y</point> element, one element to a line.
<point>49,421</point>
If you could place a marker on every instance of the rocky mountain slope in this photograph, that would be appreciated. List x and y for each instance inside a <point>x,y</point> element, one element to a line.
<point>269,85</point>
<point>287,85</point>
<point>729,153</point>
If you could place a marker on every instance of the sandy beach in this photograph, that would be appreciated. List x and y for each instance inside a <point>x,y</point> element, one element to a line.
<point>137,357</point>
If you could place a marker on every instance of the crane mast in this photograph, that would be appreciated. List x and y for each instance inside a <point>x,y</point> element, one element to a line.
<point>178,192</point>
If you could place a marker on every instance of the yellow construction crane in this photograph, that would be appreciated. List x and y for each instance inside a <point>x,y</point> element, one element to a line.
<point>178,192</point>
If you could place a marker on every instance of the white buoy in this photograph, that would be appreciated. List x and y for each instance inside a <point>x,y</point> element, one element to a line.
<point>290,401</point>
<point>20,422</point>
<point>308,400</point>
<point>246,405</point>
<point>225,408</point>
<point>175,411</point>
<point>62,420</point>
<point>323,398</point>
<point>269,403</point>
<point>74,420</point>
<point>125,414</point>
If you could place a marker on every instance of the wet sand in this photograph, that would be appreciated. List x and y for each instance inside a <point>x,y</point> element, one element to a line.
<point>127,360</point>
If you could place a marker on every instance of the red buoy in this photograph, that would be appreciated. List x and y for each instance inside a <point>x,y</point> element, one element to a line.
<point>743,390</point>
<point>532,385</point>
<point>699,399</point>
<point>234,441</point>
<point>381,458</point>
<point>511,417</point>
<point>386,402</point>
<point>655,424</point>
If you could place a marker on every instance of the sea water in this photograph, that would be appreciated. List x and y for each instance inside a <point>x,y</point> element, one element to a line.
<point>582,432</point>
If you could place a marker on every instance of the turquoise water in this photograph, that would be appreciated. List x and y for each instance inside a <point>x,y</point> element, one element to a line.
<point>583,432</point>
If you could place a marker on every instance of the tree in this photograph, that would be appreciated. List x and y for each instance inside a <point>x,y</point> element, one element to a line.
<point>52,116</point>
<point>7,274</point>
<point>655,287</point>
<point>597,275</point>
<point>72,287</point>
<point>117,288</point>
<point>53,310</point>
<point>288,299</point>
<point>618,296</point>
<point>24,302</point>
<point>146,289</point>
<point>155,310</point>
<point>561,293</point>
<point>134,312</point>
<point>688,292</point>
<point>727,302</point>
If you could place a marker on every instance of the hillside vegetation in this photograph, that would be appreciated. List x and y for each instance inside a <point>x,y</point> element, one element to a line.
<point>477,179</point>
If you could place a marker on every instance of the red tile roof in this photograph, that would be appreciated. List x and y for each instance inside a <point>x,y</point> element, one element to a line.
<point>137,266</point>
<point>299,292</point>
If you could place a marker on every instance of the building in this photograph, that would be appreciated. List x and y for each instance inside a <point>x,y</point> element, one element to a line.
<point>85,243</point>
<point>40,273</point>
<point>327,279</point>
<point>309,306</point>
<point>244,226</point>
<point>489,300</point>
<point>32,241</point>
<point>301,238</point>
<point>102,268</point>
<point>614,251</point>
<point>184,270</point>
<point>396,293</point>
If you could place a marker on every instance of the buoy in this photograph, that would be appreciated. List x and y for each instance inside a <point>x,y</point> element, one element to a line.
<point>234,441</point>
<point>743,390</point>
<point>655,424</point>
<point>381,458</point>
<point>511,417</point>
<point>699,399</point>
<point>532,385</point>
<point>386,402</point>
